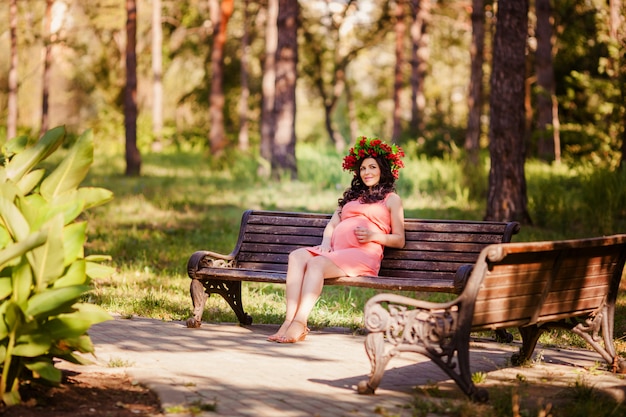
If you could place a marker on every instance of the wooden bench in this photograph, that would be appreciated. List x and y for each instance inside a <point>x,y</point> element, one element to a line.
<point>536,286</point>
<point>433,254</point>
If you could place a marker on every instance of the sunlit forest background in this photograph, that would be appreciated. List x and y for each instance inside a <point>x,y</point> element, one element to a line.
<point>87,73</point>
<point>405,71</point>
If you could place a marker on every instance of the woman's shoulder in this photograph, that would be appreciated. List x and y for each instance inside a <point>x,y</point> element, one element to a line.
<point>392,199</point>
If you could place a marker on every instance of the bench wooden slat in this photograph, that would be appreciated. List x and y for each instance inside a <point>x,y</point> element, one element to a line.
<point>427,282</point>
<point>424,238</point>
<point>448,247</point>
<point>271,230</point>
<point>493,310</point>
<point>424,255</point>
<point>454,226</point>
<point>424,283</point>
<point>516,316</point>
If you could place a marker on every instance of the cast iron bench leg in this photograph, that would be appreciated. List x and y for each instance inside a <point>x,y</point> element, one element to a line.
<point>229,290</point>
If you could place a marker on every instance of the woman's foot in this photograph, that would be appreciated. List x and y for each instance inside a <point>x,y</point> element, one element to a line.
<point>296,332</point>
<point>280,333</point>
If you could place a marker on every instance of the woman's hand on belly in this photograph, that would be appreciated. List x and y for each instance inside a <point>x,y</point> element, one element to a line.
<point>363,234</point>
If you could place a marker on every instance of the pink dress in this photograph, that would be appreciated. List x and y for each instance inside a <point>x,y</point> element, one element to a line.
<point>347,253</point>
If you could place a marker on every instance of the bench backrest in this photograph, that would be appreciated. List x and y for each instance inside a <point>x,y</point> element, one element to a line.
<point>536,282</point>
<point>434,248</point>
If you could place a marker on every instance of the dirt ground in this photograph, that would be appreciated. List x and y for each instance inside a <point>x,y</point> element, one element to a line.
<point>84,394</point>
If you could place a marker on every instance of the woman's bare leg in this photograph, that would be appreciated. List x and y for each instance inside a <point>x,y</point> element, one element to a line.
<point>296,269</point>
<point>317,269</point>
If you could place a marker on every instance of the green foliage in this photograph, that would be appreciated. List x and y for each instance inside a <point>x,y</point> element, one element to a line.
<point>588,88</point>
<point>44,272</point>
<point>577,202</point>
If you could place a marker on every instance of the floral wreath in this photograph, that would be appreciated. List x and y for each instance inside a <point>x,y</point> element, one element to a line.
<point>372,147</point>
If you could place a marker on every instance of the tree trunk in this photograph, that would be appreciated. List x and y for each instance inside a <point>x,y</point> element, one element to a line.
<point>548,141</point>
<point>13,82</point>
<point>617,21</point>
<point>284,146</point>
<point>157,76</point>
<point>47,62</point>
<point>133,158</point>
<point>328,77</point>
<point>244,141</point>
<point>399,29</point>
<point>268,123</point>
<point>217,137</point>
<point>475,96</point>
<point>352,114</point>
<point>328,123</point>
<point>507,198</point>
<point>419,62</point>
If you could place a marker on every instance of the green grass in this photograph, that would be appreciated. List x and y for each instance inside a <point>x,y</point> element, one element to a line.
<point>520,400</point>
<point>185,202</point>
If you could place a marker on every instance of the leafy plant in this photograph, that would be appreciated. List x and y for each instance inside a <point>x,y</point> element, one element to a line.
<point>43,269</point>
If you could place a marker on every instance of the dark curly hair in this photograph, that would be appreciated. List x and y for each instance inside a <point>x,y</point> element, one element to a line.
<point>359,191</point>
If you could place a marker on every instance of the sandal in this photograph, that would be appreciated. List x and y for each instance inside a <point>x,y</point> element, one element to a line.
<point>300,338</point>
<point>274,337</point>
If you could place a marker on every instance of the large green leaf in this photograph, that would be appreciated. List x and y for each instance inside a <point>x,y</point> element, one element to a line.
<point>74,358</point>
<point>75,324</point>
<point>9,190</point>
<point>4,328</point>
<point>94,313</point>
<point>10,255</point>
<point>29,181</point>
<point>46,370</point>
<point>82,344</point>
<point>94,196</point>
<point>22,282</point>
<point>12,314</point>
<point>6,287</point>
<point>5,237</point>
<point>47,260</point>
<point>38,210</point>
<point>84,198</point>
<point>98,258</point>
<point>97,270</point>
<point>34,209</point>
<point>74,275</point>
<point>74,238</point>
<point>72,170</point>
<point>13,219</point>
<point>27,159</point>
<point>53,300</point>
<point>15,145</point>
<point>32,345</point>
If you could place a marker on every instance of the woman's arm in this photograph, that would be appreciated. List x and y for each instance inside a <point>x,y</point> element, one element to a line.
<point>329,229</point>
<point>395,239</point>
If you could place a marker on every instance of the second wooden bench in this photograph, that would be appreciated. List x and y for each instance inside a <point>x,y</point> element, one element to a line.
<point>535,286</point>
<point>431,260</point>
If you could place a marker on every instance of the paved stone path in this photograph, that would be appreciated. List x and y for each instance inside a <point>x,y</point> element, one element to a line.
<point>234,369</point>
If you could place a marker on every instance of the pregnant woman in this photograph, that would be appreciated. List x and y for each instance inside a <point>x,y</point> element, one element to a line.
<point>369,217</point>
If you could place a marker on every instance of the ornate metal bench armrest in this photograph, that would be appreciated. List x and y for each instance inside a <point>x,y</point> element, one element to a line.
<point>204,259</point>
<point>377,317</point>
